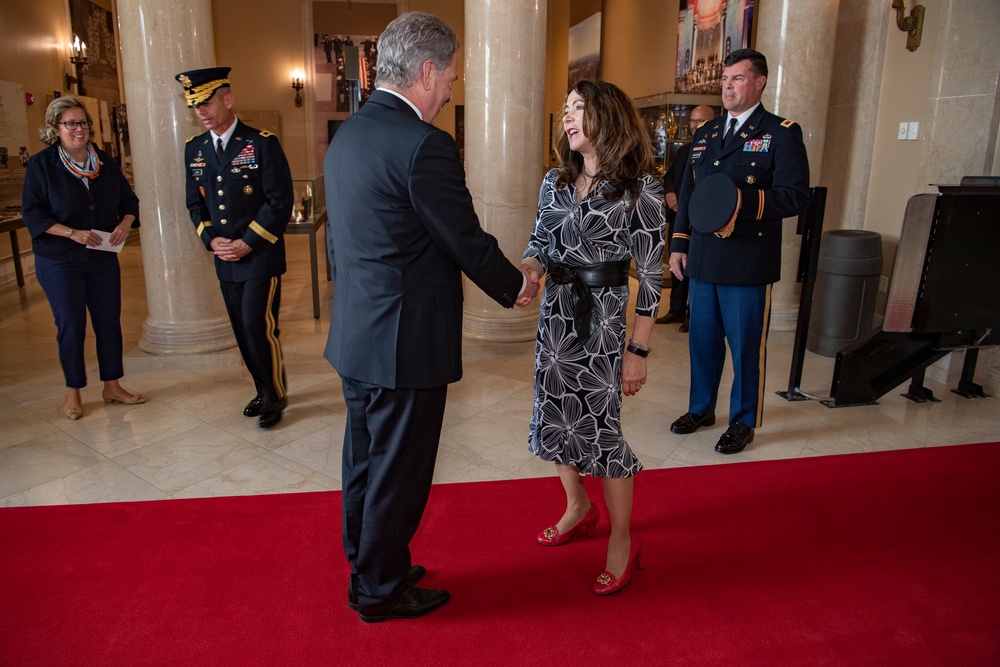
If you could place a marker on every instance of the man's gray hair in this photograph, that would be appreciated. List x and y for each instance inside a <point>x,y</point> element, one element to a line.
<point>407,43</point>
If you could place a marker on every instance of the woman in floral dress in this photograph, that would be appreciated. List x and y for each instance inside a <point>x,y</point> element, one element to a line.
<point>597,211</point>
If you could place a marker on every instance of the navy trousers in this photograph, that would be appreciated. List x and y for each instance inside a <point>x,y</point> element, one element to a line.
<point>73,288</point>
<point>390,446</point>
<point>741,315</point>
<point>253,307</point>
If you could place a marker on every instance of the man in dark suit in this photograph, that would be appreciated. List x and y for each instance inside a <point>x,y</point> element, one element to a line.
<point>732,266</point>
<point>401,231</point>
<point>239,194</point>
<point>678,311</point>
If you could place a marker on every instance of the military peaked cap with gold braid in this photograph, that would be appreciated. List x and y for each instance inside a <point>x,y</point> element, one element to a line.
<point>201,84</point>
<point>714,205</point>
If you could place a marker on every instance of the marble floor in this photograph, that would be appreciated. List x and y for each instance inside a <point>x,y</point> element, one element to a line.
<point>191,440</point>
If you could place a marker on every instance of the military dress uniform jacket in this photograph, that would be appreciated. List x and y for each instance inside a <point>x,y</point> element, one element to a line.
<point>767,161</point>
<point>247,196</point>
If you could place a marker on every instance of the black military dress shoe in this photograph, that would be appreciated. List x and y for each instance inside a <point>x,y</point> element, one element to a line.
<point>685,325</point>
<point>415,574</point>
<point>689,422</point>
<point>411,603</point>
<point>735,439</point>
<point>254,407</point>
<point>270,413</point>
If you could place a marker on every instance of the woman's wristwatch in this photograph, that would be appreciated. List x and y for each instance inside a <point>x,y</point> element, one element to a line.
<point>69,231</point>
<point>637,349</point>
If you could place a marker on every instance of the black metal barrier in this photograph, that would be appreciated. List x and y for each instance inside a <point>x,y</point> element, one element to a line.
<point>810,227</point>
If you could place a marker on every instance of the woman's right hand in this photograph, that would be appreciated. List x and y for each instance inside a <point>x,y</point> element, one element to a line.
<point>86,237</point>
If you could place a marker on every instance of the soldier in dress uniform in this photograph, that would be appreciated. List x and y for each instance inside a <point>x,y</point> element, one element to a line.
<point>729,245</point>
<point>239,194</point>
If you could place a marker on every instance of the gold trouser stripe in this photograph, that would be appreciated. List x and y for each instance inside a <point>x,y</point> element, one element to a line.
<point>763,355</point>
<point>277,363</point>
<point>760,206</point>
<point>263,233</point>
<point>203,225</point>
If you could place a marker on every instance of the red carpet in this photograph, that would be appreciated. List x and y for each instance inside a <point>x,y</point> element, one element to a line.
<point>890,558</point>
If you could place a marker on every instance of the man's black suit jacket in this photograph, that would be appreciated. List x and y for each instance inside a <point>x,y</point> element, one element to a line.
<point>401,230</point>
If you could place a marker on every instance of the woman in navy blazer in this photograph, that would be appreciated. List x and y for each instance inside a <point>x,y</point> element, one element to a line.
<point>71,191</point>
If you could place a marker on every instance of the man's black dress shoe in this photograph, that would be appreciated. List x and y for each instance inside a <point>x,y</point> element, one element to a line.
<point>685,326</point>
<point>735,439</point>
<point>411,603</point>
<point>415,574</point>
<point>270,413</point>
<point>254,407</point>
<point>689,422</point>
<point>669,318</point>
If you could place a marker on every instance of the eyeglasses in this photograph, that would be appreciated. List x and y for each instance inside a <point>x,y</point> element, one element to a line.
<point>73,124</point>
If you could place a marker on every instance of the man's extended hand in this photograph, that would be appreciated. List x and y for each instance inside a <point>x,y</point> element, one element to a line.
<point>530,286</point>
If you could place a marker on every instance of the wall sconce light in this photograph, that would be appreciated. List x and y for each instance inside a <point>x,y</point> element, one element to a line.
<point>297,84</point>
<point>78,58</point>
<point>912,25</point>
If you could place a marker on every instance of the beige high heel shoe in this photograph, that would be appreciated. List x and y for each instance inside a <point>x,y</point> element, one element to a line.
<point>73,413</point>
<point>135,399</point>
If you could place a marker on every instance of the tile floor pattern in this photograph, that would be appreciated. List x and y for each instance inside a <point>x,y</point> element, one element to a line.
<point>191,440</point>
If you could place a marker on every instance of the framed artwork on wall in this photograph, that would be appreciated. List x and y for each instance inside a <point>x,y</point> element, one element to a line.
<point>707,32</point>
<point>585,49</point>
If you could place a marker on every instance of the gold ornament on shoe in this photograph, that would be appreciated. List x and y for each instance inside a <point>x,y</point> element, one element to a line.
<point>604,578</point>
<point>549,532</point>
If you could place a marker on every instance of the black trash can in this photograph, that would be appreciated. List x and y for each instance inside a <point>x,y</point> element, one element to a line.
<point>850,263</point>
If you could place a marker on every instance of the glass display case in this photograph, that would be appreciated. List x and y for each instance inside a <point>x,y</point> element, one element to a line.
<point>666,118</point>
<point>309,199</point>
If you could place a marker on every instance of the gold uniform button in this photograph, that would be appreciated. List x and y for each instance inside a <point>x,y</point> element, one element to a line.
<point>716,163</point>
<point>760,233</point>
<point>218,178</point>
<point>222,207</point>
<point>221,193</point>
<point>223,221</point>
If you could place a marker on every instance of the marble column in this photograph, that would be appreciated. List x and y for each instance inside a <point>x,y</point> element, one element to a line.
<point>504,118</point>
<point>186,312</point>
<point>798,38</point>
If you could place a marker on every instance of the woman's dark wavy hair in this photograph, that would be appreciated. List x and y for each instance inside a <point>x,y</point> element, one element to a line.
<point>617,133</point>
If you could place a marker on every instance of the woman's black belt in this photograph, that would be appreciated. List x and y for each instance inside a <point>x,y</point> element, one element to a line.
<point>584,279</point>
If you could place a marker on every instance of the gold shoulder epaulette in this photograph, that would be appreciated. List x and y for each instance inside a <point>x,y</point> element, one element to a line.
<point>787,123</point>
<point>189,139</point>
<point>265,133</point>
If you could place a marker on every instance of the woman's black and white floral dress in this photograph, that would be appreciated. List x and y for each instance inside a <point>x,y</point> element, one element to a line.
<point>578,398</point>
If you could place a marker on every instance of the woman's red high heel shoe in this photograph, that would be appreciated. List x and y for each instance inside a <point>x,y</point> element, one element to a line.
<point>606,583</point>
<point>550,537</point>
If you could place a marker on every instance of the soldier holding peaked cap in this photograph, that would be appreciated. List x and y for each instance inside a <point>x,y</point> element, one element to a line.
<point>748,170</point>
<point>239,195</point>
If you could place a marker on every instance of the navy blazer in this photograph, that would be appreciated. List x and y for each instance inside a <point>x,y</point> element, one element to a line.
<point>767,160</point>
<point>247,196</point>
<point>51,194</point>
<point>401,230</point>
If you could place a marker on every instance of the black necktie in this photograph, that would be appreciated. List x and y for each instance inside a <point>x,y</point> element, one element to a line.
<point>730,132</point>
<point>218,148</point>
